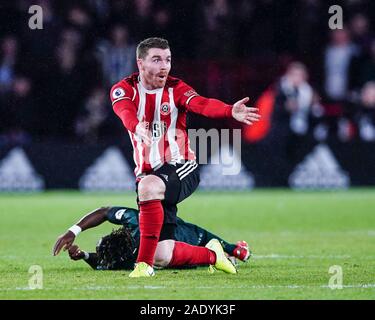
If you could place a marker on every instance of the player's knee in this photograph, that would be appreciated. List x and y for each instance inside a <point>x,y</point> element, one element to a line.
<point>163,253</point>
<point>161,260</point>
<point>151,188</point>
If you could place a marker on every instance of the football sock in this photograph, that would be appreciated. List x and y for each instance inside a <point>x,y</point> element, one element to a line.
<point>186,254</point>
<point>151,216</point>
<point>229,248</point>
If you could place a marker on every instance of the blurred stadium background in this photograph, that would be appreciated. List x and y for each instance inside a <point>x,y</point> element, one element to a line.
<point>315,88</point>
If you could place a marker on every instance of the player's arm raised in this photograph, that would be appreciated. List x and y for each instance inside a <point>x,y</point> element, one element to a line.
<point>90,220</point>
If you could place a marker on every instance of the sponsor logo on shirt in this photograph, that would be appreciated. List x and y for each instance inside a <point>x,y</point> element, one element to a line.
<point>164,176</point>
<point>118,93</point>
<point>119,214</point>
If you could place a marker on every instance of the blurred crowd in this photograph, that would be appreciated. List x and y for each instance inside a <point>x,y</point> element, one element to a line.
<point>54,82</point>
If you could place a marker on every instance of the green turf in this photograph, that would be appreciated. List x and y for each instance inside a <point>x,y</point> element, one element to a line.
<point>295,236</point>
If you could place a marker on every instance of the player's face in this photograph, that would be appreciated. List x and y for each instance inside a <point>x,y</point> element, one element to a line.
<point>155,67</point>
<point>297,76</point>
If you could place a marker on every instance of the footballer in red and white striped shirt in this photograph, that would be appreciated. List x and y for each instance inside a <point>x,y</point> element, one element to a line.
<point>153,106</point>
<point>163,110</point>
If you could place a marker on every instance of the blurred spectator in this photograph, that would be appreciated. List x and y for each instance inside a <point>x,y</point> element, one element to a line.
<point>338,56</point>
<point>162,23</point>
<point>41,43</point>
<point>296,112</point>
<point>360,31</point>
<point>235,48</point>
<point>218,26</point>
<point>294,100</point>
<point>8,60</point>
<point>361,34</point>
<point>367,70</point>
<point>80,18</point>
<point>93,120</point>
<point>72,38</point>
<point>61,94</point>
<point>17,112</point>
<point>217,23</point>
<point>313,20</point>
<point>142,19</point>
<point>101,9</point>
<point>366,117</point>
<point>117,56</point>
<point>120,11</point>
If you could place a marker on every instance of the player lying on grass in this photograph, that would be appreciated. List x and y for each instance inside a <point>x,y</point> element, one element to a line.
<point>119,249</point>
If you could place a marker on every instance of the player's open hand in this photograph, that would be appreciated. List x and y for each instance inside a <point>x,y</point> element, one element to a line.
<point>65,240</point>
<point>142,131</point>
<point>75,253</point>
<point>244,114</point>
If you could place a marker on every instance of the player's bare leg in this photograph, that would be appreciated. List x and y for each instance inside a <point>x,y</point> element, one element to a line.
<point>164,253</point>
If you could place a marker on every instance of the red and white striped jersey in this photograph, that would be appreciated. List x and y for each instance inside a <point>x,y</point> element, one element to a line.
<point>164,110</point>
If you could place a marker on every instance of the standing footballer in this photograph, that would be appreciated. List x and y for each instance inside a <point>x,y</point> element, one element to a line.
<point>153,106</point>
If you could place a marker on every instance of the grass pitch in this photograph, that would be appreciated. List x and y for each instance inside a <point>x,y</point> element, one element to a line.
<point>295,237</point>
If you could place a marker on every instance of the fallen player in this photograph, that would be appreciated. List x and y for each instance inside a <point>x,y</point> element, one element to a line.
<point>118,250</point>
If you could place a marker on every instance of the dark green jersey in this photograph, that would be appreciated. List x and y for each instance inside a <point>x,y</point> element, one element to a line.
<point>128,217</point>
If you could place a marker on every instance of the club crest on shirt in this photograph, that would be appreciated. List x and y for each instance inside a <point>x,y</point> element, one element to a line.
<point>118,93</point>
<point>165,108</point>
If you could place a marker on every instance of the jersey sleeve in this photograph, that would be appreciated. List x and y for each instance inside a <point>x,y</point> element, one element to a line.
<point>128,217</point>
<point>190,100</point>
<point>184,93</point>
<point>121,91</point>
<point>116,215</point>
<point>122,98</point>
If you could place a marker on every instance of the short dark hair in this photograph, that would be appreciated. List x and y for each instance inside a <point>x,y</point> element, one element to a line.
<point>145,45</point>
<point>296,65</point>
<point>116,250</point>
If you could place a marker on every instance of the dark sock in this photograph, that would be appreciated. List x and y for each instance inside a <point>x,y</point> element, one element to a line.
<point>207,236</point>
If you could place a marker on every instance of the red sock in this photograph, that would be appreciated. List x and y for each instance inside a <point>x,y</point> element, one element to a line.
<point>151,218</point>
<point>185,254</point>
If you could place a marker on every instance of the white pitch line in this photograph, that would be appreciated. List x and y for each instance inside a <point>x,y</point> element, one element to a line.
<point>255,256</point>
<point>283,256</point>
<point>99,288</point>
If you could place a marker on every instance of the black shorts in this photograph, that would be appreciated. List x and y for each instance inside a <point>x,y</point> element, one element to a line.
<point>180,180</point>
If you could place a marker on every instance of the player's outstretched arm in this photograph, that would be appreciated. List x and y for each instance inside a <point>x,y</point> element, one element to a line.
<point>213,108</point>
<point>244,114</point>
<point>90,220</point>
